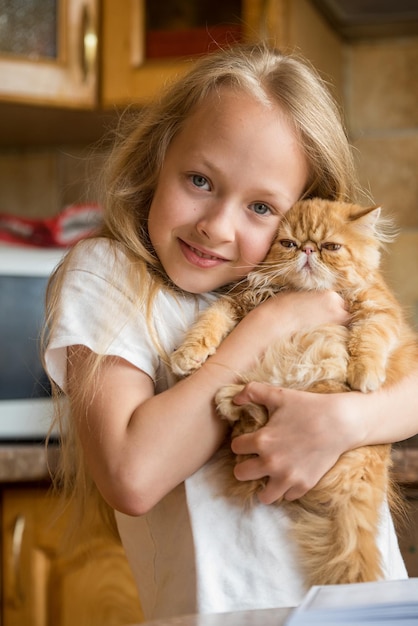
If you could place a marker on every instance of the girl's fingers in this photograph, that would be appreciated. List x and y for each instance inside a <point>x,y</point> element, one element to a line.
<point>259,393</point>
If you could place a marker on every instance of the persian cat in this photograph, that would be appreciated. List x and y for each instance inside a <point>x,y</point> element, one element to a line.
<point>321,244</point>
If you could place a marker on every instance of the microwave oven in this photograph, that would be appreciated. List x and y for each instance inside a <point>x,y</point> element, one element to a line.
<point>25,403</point>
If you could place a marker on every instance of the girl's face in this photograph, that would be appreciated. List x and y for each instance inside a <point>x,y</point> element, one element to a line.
<point>228,177</point>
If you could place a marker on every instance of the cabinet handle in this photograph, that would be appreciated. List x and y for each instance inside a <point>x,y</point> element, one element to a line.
<point>17,541</point>
<point>88,43</point>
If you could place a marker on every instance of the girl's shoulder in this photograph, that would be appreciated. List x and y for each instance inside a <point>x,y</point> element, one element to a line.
<point>108,260</point>
<point>97,254</point>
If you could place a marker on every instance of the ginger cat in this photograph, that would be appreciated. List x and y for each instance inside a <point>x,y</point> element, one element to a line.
<point>321,244</point>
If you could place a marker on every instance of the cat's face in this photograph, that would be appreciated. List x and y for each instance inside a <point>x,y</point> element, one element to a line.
<point>321,244</point>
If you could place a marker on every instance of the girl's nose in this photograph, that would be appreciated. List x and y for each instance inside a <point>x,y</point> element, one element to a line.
<point>217,225</point>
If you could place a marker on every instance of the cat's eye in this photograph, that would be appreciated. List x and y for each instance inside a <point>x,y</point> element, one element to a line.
<point>288,243</point>
<point>200,181</point>
<point>331,246</point>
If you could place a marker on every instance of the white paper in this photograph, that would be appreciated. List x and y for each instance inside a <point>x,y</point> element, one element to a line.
<point>389,602</point>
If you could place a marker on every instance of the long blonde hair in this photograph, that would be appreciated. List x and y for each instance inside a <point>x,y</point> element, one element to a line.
<point>135,163</point>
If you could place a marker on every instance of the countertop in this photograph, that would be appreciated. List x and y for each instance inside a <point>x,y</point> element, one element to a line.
<point>264,617</point>
<point>25,462</point>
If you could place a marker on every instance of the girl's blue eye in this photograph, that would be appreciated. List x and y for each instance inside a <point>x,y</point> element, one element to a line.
<point>260,208</point>
<point>199,181</point>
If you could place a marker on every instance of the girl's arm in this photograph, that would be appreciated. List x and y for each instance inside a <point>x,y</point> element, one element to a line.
<point>307,432</point>
<point>139,446</point>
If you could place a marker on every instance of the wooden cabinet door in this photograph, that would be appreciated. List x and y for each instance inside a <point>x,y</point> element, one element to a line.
<point>48,584</point>
<point>128,76</point>
<point>48,52</point>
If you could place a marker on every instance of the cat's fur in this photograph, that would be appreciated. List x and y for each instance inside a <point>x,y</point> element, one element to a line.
<point>335,525</point>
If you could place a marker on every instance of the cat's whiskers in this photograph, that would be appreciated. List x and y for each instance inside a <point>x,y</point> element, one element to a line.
<point>270,276</point>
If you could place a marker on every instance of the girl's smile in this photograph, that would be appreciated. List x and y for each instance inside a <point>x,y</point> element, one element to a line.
<point>228,177</point>
<point>199,257</point>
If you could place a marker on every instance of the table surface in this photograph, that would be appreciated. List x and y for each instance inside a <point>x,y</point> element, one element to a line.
<point>262,617</point>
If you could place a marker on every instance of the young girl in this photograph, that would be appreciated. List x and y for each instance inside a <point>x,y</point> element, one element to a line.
<point>194,195</point>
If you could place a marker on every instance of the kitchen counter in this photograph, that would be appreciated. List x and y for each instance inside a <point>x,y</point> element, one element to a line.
<point>264,617</point>
<point>26,462</point>
<point>20,462</point>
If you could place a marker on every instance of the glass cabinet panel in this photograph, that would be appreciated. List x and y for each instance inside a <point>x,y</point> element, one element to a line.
<point>48,52</point>
<point>182,27</point>
<point>28,28</point>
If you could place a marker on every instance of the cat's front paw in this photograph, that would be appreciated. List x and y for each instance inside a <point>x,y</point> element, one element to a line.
<point>224,404</point>
<point>245,418</point>
<point>366,377</point>
<point>185,360</point>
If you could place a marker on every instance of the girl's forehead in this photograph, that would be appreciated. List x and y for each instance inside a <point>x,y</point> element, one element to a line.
<point>229,110</point>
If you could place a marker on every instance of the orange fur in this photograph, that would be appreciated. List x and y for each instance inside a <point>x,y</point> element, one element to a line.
<point>334,525</point>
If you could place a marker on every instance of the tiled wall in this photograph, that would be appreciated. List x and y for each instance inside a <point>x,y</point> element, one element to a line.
<point>381,94</point>
<point>40,182</point>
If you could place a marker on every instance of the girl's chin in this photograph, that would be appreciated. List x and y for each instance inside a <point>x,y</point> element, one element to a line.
<point>198,285</point>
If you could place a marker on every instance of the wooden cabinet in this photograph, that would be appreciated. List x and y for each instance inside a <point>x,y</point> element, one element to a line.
<point>46,583</point>
<point>99,57</point>
<point>48,52</point>
<point>408,532</point>
<point>57,52</point>
<point>128,76</point>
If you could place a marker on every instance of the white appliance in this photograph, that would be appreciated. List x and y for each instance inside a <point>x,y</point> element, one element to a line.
<point>25,403</point>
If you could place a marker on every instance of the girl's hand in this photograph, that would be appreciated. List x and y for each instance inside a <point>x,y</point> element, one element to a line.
<point>304,437</point>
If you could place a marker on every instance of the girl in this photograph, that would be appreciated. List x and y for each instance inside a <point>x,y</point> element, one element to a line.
<point>194,195</point>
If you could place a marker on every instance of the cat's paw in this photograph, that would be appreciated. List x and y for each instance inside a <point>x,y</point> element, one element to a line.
<point>366,377</point>
<point>224,404</point>
<point>245,418</point>
<point>186,360</point>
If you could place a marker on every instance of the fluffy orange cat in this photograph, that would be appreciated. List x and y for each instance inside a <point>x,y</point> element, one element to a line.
<point>322,245</point>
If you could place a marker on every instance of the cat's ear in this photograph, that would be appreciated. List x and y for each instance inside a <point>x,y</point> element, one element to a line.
<point>370,221</point>
<point>366,216</point>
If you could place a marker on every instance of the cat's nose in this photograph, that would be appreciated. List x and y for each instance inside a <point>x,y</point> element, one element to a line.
<point>308,250</point>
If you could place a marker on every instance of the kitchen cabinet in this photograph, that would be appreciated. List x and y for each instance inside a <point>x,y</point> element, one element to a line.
<point>48,52</point>
<point>128,75</point>
<point>45,582</point>
<point>408,532</point>
<point>100,64</point>
<point>92,54</point>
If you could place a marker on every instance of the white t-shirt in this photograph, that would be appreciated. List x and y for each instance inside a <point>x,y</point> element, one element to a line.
<point>196,551</point>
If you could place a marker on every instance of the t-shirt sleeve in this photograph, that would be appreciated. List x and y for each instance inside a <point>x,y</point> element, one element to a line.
<point>95,310</point>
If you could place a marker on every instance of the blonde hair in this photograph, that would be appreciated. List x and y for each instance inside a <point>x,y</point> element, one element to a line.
<point>135,162</point>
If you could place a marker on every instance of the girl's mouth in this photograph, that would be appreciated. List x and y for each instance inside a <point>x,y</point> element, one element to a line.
<point>199,257</point>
